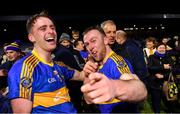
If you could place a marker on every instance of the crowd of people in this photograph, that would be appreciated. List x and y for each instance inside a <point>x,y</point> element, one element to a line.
<point>101,70</point>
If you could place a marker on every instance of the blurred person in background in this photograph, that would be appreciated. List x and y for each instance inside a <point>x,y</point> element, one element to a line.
<point>13,53</point>
<point>75,35</point>
<point>109,28</point>
<point>159,67</point>
<point>79,45</point>
<point>149,49</point>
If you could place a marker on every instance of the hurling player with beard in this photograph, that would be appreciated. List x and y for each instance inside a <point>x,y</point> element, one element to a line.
<point>110,82</point>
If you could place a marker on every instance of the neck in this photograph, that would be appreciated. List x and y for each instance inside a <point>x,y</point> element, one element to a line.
<point>151,48</point>
<point>108,50</point>
<point>44,55</point>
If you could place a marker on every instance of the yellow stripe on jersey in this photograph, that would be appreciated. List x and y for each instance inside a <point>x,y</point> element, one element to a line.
<point>41,59</point>
<point>105,59</point>
<point>22,89</point>
<point>30,73</point>
<point>48,99</point>
<point>26,75</point>
<point>112,101</point>
<point>122,65</point>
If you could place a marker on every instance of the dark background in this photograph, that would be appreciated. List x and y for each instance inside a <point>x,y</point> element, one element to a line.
<point>81,14</point>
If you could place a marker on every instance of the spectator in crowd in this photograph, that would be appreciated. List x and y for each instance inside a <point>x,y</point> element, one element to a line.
<point>130,49</point>
<point>159,67</point>
<point>109,28</point>
<point>176,43</point>
<point>36,83</point>
<point>4,57</point>
<point>75,35</point>
<point>65,40</point>
<point>13,53</point>
<point>65,52</point>
<point>166,41</point>
<point>28,50</point>
<point>172,52</point>
<point>176,50</point>
<point>109,76</point>
<point>79,45</point>
<point>150,47</point>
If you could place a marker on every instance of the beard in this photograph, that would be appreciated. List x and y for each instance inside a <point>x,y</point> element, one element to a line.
<point>101,56</point>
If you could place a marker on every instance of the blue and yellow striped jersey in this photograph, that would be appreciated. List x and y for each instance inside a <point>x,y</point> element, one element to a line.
<point>113,68</point>
<point>43,83</point>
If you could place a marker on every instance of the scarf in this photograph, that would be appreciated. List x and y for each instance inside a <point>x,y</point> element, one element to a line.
<point>159,54</point>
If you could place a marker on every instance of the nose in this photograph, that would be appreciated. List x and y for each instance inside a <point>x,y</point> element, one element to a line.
<point>8,56</point>
<point>91,47</point>
<point>51,30</point>
<point>112,34</point>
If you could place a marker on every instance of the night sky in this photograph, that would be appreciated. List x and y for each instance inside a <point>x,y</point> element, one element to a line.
<point>79,15</point>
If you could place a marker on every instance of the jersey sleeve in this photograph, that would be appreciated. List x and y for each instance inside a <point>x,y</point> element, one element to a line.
<point>20,86</point>
<point>118,66</point>
<point>67,72</point>
<point>129,65</point>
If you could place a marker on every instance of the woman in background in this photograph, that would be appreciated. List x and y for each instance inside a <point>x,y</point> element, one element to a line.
<point>159,66</point>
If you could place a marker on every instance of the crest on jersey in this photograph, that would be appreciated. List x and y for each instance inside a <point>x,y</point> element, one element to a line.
<point>26,82</point>
<point>121,64</point>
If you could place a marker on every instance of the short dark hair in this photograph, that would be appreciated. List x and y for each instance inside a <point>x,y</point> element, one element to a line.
<point>33,18</point>
<point>151,39</point>
<point>76,42</point>
<point>96,27</point>
<point>75,31</point>
<point>160,43</point>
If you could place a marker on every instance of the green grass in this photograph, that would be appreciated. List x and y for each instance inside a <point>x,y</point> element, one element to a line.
<point>146,106</point>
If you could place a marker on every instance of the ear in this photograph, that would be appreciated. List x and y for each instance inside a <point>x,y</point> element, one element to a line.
<point>31,37</point>
<point>105,40</point>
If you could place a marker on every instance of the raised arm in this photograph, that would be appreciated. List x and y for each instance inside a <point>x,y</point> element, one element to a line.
<point>102,89</point>
<point>89,67</point>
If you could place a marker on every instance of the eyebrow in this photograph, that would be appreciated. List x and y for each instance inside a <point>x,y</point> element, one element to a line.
<point>42,26</point>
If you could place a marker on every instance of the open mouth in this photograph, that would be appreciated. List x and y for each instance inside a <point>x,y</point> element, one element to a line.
<point>50,39</point>
<point>94,53</point>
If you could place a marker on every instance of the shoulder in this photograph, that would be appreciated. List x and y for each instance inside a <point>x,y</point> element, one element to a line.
<point>62,65</point>
<point>117,59</point>
<point>121,63</point>
<point>26,62</point>
<point>134,44</point>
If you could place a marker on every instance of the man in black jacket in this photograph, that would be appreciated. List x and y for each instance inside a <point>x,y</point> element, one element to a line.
<point>132,51</point>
